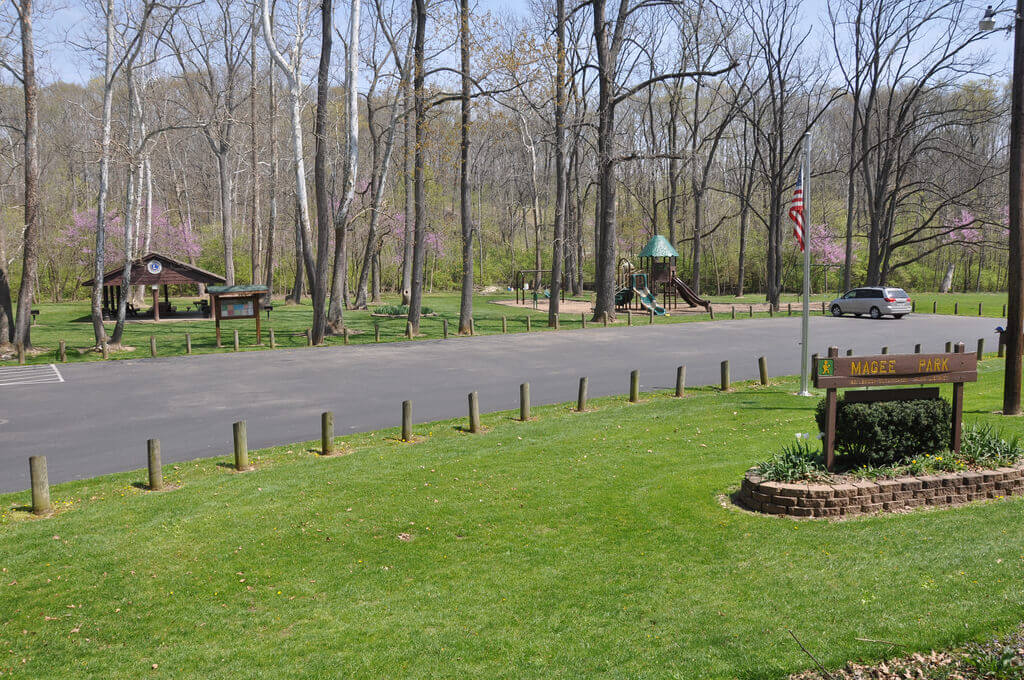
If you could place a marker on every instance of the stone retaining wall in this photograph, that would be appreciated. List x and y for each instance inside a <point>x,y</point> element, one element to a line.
<point>883,495</point>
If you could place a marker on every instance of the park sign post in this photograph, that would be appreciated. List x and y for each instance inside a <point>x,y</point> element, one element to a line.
<point>893,370</point>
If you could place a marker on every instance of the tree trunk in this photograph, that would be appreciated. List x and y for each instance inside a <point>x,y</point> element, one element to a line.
<point>335,315</point>
<point>272,217</point>
<point>99,332</point>
<point>30,251</point>
<point>419,226</point>
<point>323,201</point>
<point>606,228</point>
<point>225,176</point>
<point>465,206</point>
<point>408,232</point>
<point>558,240</point>
<point>255,242</point>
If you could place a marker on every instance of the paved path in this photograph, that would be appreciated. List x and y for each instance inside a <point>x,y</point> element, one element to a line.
<point>98,419</point>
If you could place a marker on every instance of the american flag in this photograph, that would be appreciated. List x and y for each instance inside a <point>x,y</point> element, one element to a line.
<point>796,211</point>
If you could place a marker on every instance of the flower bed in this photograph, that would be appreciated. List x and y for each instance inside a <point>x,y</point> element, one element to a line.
<point>847,498</point>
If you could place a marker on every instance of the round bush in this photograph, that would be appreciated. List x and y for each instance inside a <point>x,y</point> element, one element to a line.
<point>888,432</point>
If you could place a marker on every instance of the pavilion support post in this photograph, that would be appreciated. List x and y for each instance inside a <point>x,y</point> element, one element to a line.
<point>156,303</point>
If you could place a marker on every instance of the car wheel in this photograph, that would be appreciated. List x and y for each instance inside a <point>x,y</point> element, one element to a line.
<point>836,311</point>
<point>875,313</point>
<point>899,316</point>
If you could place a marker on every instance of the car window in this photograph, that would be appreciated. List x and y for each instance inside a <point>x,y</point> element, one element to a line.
<point>875,293</point>
<point>896,293</point>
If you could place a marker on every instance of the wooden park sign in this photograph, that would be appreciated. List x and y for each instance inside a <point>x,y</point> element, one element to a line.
<point>893,370</point>
<point>237,302</point>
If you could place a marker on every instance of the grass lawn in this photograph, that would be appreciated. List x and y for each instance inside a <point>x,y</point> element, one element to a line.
<point>575,545</point>
<point>70,322</point>
<point>964,304</point>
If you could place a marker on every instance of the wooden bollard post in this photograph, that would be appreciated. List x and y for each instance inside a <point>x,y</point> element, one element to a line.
<point>789,309</point>
<point>680,380</point>
<point>956,308</point>
<point>771,311</point>
<point>629,317</point>
<point>273,340</point>
<point>1004,310</point>
<point>581,398</point>
<point>152,345</point>
<point>524,401</point>
<point>62,352</point>
<point>156,470</point>
<point>604,318</point>
<point>105,350</point>
<point>913,306</point>
<point>235,338</point>
<point>981,348</point>
<point>472,326</point>
<point>408,329</point>
<point>979,309</point>
<point>376,332</point>
<point>474,412</point>
<point>444,328</point>
<point>504,324</point>
<point>949,347</point>
<point>241,446</point>
<point>650,317</point>
<point>1001,347</point>
<point>634,386</point>
<point>725,376</point>
<point>583,320</point>
<point>733,311</point>
<point>557,322</point>
<point>309,337</point>
<point>762,369</point>
<point>406,421</point>
<point>40,485</point>
<point>935,305</point>
<point>750,310</point>
<point>885,349</point>
<point>823,308</point>
<point>529,324</point>
<point>188,342</point>
<point>711,312</point>
<point>917,348</point>
<point>347,334</point>
<point>21,353</point>
<point>327,433</point>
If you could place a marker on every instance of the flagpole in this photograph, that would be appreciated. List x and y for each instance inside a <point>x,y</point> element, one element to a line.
<point>805,355</point>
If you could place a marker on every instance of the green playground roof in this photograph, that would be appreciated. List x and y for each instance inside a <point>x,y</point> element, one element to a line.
<point>220,290</point>
<point>658,246</point>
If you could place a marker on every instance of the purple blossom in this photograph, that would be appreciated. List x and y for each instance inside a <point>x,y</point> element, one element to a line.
<point>826,248</point>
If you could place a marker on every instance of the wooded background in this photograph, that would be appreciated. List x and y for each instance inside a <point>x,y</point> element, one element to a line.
<point>424,146</point>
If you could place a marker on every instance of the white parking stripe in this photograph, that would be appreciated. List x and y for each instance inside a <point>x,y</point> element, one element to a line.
<point>30,375</point>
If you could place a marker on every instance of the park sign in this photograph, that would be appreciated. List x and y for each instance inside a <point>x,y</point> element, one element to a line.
<point>893,370</point>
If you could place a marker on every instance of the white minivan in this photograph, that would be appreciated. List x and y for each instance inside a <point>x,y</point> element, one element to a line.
<point>875,301</point>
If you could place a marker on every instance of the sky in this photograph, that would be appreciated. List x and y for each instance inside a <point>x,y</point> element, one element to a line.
<point>71,20</point>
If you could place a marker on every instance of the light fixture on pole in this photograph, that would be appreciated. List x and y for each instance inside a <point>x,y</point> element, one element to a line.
<point>1014,333</point>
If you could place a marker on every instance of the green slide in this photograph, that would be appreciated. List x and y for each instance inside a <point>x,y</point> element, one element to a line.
<point>648,302</point>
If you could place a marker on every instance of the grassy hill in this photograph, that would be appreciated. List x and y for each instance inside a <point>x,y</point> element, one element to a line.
<point>593,545</point>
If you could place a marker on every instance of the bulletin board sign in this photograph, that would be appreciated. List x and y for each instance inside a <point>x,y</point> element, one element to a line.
<point>237,302</point>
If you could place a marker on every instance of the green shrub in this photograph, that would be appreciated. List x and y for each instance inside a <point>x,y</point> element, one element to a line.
<point>983,446</point>
<point>797,461</point>
<point>888,432</point>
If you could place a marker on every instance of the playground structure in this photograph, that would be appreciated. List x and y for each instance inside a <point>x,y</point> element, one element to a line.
<point>519,283</point>
<point>639,289</point>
